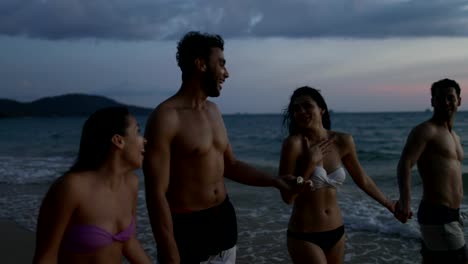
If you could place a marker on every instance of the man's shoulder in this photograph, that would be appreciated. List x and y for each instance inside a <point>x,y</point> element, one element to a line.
<point>212,106</point>
<point>165,110</point>
<point>164,119</point>
<point>425,128</point>
<point>168,104</point>
<point>425,132</point>
<point>174,104</point>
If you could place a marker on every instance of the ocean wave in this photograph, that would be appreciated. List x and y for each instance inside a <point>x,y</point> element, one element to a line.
<point>385,225</point>
<point>32,170</point>
<point>378,155</point>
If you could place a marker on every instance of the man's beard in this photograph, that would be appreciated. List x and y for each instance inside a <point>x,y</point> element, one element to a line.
<point>444,113</point>
<point>210,84</point>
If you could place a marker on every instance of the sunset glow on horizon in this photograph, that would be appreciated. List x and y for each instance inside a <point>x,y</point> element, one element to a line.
<point>365,56</point>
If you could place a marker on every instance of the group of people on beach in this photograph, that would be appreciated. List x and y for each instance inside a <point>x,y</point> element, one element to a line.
<point>89,214</point>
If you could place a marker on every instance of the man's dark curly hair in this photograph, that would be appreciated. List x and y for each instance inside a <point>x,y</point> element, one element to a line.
<point>195,45</point>
<point>445,84</point>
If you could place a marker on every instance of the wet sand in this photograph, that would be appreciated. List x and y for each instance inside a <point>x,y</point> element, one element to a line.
<point>16,243</point>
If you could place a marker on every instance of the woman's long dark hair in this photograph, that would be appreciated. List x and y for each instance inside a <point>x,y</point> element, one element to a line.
<point>288,116</point>
<point>96,137</point>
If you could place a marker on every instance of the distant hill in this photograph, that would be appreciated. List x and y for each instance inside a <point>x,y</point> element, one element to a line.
<point>63,105</point>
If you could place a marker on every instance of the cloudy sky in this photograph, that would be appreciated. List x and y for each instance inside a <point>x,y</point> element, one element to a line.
<point>365,55</point>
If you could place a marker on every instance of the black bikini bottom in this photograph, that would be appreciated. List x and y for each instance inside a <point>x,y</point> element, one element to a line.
<point>325,240</point>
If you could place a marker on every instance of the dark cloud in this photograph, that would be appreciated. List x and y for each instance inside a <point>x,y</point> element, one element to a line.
<point>169,19</point>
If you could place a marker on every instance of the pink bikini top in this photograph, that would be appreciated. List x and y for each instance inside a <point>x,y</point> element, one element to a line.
<point>88,238</point>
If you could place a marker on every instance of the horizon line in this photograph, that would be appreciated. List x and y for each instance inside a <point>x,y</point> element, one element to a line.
<point>346,112</point>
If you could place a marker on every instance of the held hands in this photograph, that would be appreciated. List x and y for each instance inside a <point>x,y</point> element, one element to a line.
<point>402,211</point>
<point>296,185</point>
<point>390,205</point>
<point>292,185</point>
<point>300,181</point>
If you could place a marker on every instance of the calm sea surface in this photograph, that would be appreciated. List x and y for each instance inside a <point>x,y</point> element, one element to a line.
<point>35,151</point>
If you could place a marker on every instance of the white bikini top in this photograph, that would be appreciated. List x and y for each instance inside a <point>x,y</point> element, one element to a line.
<point>322,180</point>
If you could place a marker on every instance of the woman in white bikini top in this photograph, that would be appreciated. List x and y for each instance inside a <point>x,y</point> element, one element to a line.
<point>320,155</point>
<point>320,178</point>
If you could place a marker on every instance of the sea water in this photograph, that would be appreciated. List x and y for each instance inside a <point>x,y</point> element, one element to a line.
<point>35,151</point>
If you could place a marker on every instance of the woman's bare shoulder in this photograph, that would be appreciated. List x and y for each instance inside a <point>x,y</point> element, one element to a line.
<point>294,141</point>
<point>341,137</point>
<point>72,183</point>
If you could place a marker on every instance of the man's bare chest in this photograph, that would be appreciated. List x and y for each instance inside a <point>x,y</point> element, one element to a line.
<point>198,136</point>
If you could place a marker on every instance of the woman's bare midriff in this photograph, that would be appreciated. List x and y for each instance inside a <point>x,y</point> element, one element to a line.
<point>316,211</point>
<point>108,254</point>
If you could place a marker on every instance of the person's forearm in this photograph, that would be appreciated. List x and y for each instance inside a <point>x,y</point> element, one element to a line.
<point>371,189</point>
<point>243,173</point>
<point>162,226</point>
<point>288,198</point>
<point>404,182</point>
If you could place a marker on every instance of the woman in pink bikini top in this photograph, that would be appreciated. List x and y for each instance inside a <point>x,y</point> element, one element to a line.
<point>88,214</point>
